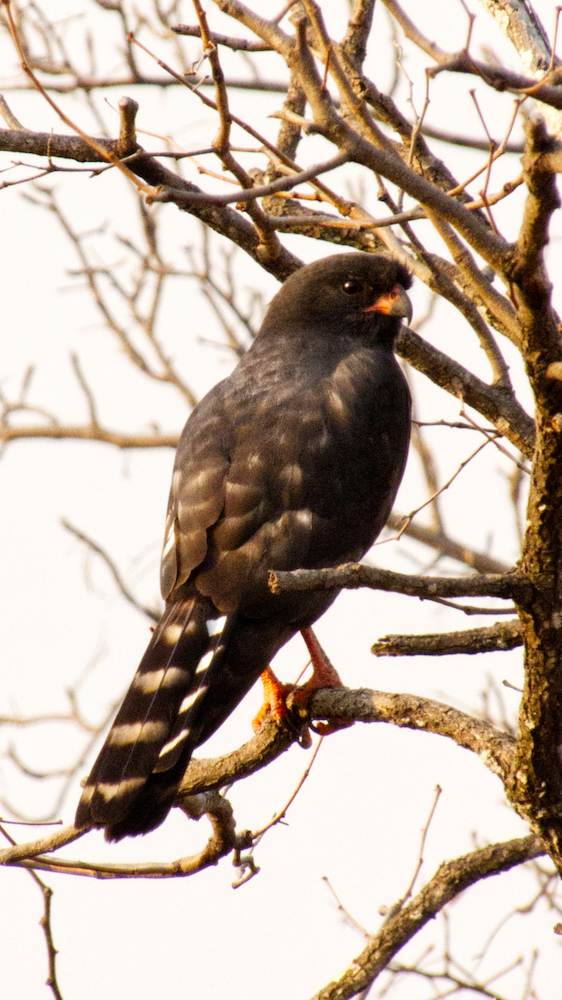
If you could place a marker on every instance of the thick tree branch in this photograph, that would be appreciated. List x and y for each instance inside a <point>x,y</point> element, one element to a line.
<point>537,792</point>
<point>204,777</point>
<point>495,749</point>
<point>69,147</point>
<point>496,403</point>
<point>353,575</point>
<point>354,44</point>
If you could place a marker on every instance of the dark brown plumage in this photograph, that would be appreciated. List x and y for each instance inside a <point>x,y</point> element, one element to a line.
<point>293,461</point>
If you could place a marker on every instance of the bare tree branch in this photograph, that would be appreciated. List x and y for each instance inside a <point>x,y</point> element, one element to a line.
<point>353,575</point>
<point>452,878</point>
<point>501,636</point>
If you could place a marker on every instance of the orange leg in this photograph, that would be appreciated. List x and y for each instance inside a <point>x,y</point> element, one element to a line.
<point>275,694</point>
<point>324,675</point>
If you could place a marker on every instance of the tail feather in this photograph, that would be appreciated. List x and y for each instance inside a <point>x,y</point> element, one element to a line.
<point>147,716</point>
<point>190,708</point>
<point>186,686</point>
<point>152,804</point>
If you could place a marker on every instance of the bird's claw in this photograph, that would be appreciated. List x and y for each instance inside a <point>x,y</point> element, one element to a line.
<point>289,703</point>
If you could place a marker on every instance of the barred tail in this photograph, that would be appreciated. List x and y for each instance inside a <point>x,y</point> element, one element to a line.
<point>178,698</point>
<point>147,716</point>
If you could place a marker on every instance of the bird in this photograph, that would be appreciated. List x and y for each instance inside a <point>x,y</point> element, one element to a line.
<point>292,461</point>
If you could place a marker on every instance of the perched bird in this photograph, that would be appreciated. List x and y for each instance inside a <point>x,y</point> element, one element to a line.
<point>292,461</point>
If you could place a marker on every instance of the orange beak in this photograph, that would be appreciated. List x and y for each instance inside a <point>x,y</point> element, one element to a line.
<point>393,303</point>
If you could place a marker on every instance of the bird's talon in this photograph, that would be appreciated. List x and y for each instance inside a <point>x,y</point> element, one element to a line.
<point>274,699</point>
<point>305,739</point>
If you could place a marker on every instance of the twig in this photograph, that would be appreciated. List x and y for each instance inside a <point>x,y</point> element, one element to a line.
<point>75,361</point>
<point>122,586</point>
<point>493,439</point>
<point>45,923</point>
<point>281,815</point>
<point>419,864</point>
<point>445,486</point>
<point>345,913</point>
<point>235,44</point>
<point>106,154</point>
<point>9,116</point>
<point>251,194</point>
<point>61,432</point>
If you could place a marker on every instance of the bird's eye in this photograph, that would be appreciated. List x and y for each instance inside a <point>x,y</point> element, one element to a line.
<point>352,287</point>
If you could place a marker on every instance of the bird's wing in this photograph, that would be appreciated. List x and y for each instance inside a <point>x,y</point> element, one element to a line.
<point>198,490</point>
<point>239,494</point>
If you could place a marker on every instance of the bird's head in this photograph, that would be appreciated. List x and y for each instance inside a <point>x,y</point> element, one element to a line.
<point>355,293</point>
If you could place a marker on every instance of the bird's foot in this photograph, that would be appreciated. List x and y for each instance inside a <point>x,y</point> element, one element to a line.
<point>277,700</point>
<point>288,703</point>
<point>324,675</point>
<point>274,695</point>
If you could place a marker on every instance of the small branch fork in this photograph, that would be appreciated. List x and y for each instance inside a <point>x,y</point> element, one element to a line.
<point>106,154</point>
<point>452,878</point>
<point>494,76</point>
